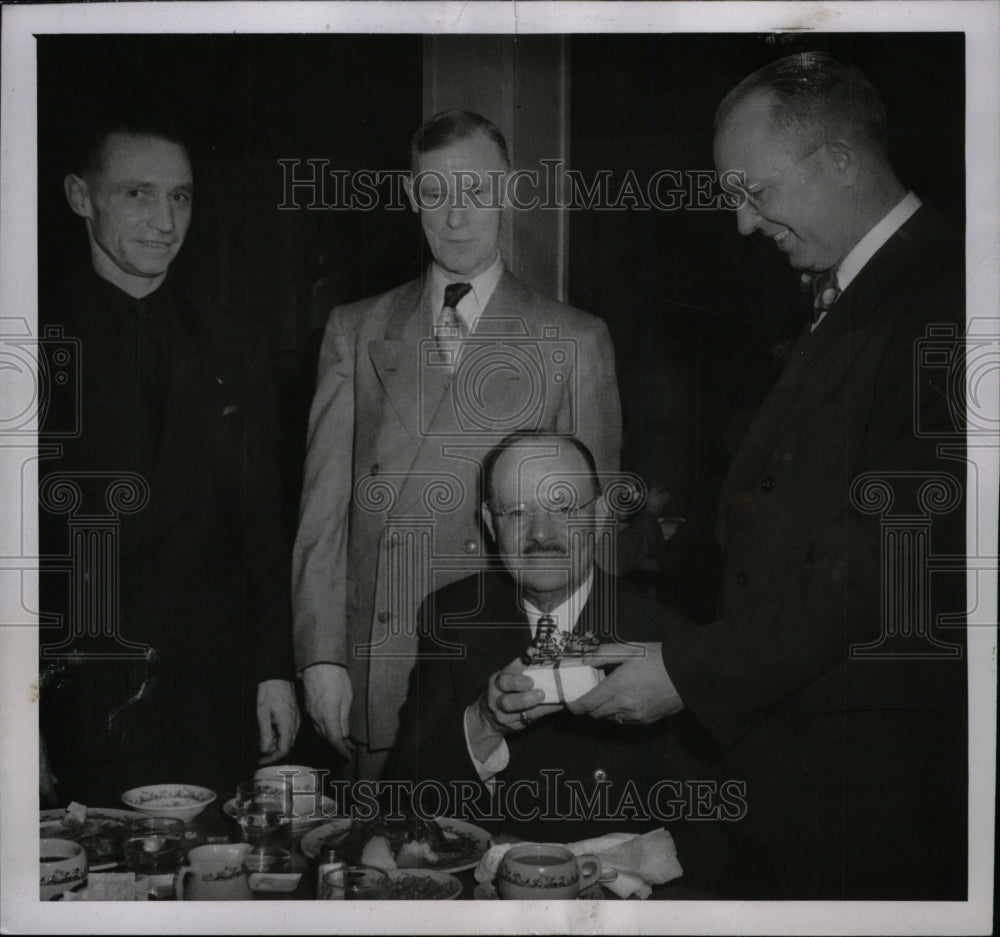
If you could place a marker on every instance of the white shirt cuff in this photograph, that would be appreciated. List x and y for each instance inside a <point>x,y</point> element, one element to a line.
<point>497,760</point>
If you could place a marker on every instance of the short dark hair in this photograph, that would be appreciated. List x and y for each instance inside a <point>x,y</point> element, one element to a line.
<point>90,141</point>
<point>447,127</point>
<point>817,97</point>
<point>533,435</point>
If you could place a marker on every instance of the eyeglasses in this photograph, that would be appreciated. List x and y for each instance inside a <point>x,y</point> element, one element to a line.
<point>522,512</point>
<point>752,192</point>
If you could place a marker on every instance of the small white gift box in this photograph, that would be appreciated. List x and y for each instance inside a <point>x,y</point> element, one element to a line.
<point>564,680</point>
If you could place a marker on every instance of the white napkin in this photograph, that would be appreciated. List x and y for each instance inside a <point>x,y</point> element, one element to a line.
<point>641,861</point>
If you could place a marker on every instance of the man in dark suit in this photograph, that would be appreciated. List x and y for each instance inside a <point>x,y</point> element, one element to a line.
<point>414,387</point>
<point>475,720</point>
<point>174,646</point>
<point>824,673</point>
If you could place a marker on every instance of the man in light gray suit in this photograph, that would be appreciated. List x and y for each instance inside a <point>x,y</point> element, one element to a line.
<point>414,387</point>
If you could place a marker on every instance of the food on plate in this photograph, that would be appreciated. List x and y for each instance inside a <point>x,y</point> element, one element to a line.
<point>102,837</point>
<point>408,842</point>
<point>403,887</point>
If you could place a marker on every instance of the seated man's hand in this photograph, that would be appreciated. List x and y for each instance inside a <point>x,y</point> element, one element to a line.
<point>510,703</point>
<point>328,702</point>
<point>277,719</point>
<point>638,690</point>
<point>507,705</point>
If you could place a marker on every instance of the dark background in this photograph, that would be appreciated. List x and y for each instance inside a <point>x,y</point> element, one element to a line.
<point>698,314</point>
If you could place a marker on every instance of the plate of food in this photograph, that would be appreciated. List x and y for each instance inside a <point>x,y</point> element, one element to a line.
<point>100,831</point>
<point>401,843</point>
<point>422,885</point>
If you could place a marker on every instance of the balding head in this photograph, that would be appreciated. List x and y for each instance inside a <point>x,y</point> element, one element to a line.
<point>803,139</point>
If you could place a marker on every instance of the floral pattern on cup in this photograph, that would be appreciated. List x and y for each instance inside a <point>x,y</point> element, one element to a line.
<point>61,876</point>
<point>539,880</point>
<point>545,870</point>
<point>62,865</point>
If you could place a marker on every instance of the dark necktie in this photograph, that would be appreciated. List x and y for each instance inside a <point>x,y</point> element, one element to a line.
<point>450,328</point>
<point>824,291</point>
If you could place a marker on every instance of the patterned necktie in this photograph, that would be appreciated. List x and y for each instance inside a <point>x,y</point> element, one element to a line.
<point>450,328</point>
<point>543,630</point>
<point>824,290</point>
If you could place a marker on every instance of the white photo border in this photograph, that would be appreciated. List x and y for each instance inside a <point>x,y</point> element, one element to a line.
<point>21,912</point>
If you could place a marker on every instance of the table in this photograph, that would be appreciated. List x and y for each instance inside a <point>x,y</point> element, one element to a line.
<point>213,826</point>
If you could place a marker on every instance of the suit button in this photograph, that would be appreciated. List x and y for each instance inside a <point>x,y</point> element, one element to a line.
<point>383,616</point>
<point>374,469</point>
<point>600,775</point>
<point>741,579</point>
<point>471,546</point>
<point>767,484</point>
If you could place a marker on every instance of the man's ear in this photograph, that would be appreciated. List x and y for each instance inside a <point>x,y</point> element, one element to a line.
<point>487,517</point>
<point>78,195</point>
<point>408,189</point>
<point>844,161</point>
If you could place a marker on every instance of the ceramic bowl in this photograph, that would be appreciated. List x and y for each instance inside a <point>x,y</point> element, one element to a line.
<point>179,801</point>
<point>62,865</point>
<point>304,779</point>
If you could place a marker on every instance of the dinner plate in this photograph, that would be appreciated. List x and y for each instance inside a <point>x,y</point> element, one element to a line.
<point>329,808</point>
<point>445,887</point>
<point>51,823</point>
<point>311,841</point>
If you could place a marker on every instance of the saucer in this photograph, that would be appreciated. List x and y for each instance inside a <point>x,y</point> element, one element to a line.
<point>300,822</point>
<point>487,891</point>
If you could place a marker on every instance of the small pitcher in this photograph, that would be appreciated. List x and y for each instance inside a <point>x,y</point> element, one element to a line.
<point>214,873</point>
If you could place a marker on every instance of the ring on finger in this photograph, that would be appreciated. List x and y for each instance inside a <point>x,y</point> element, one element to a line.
<point>619,719</point>
<point>525,721</point>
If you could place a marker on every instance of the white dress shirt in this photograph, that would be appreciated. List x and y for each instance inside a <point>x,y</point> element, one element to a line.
<point>471,306</point>
<point>867,247</point>
<point>565,617</point>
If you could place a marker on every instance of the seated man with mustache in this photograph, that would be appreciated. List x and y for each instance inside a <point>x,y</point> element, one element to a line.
<point>474,729</point>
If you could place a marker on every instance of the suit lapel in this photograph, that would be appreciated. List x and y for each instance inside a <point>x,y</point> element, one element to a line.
<point>500,629</point>
<point>502,353</point>
<point>396,357</point>
<point>818,364</point>
<point>822,359</point>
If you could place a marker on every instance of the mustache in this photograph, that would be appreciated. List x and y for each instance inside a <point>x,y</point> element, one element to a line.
<point>551,548</point>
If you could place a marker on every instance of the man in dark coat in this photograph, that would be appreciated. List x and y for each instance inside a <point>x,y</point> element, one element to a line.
<point>166,638</point>
<point>824,674</point>
<point>475,735</point>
